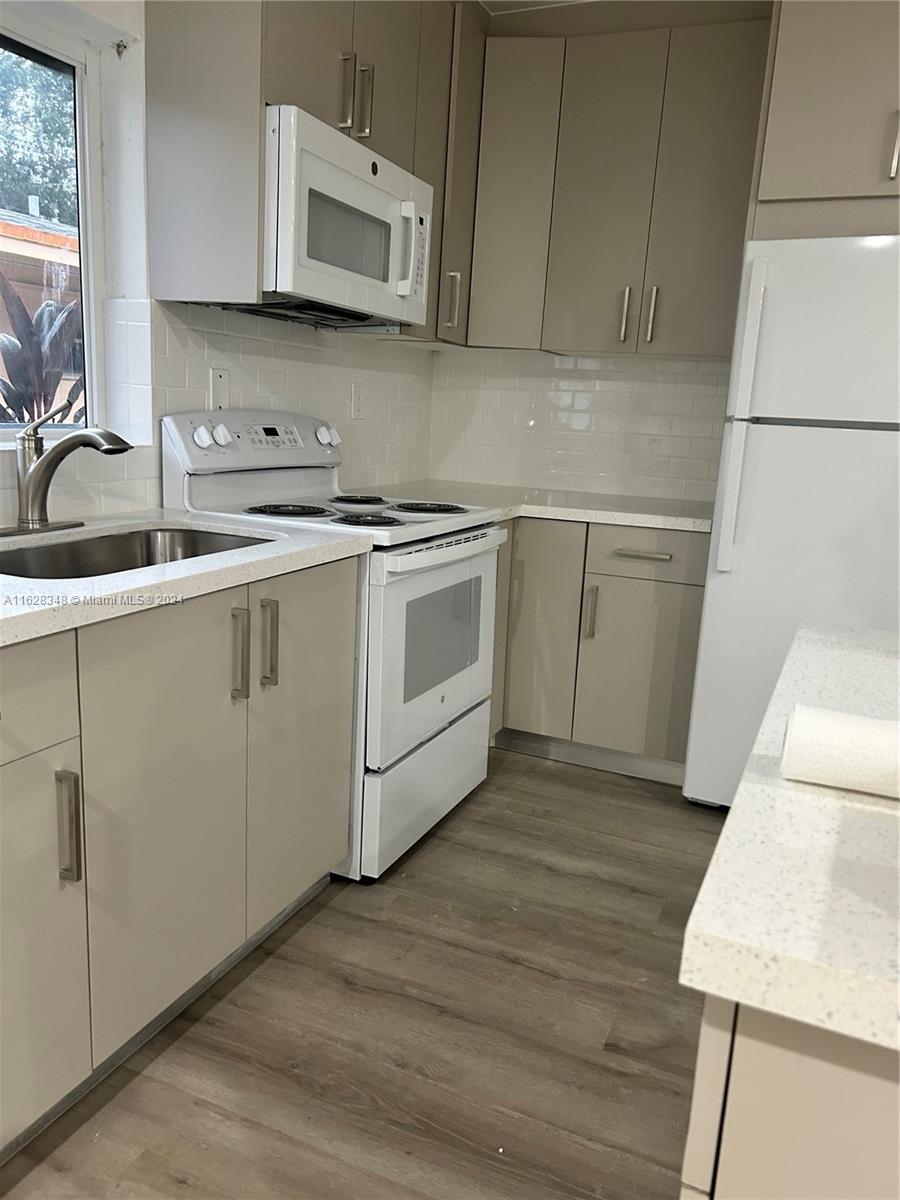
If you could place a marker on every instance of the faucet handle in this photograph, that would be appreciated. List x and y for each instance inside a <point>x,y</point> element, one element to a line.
<point>32,429</point>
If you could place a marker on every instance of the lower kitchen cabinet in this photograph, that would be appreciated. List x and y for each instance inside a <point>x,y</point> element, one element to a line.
<point>544,611</point>
<point>165,758</point>
<point>636,665</point>
<point>303,649</point>
<point>501,629</point>
<point>45,1027</point>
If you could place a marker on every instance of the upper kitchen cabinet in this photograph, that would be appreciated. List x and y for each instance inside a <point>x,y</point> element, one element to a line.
<point>520,121</point>
<point>386,45</point>
<point>833,127</point>
<point>352,65</point>
<point>432,122</point>
<point>466,82</point>
<point>609,130</point>
<point>706,148</point>
<point>204,150</point>
<point>308,57</point>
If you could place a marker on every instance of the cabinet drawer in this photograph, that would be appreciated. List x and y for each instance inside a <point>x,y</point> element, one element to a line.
<point>666,554</point>
<point>38,695</point>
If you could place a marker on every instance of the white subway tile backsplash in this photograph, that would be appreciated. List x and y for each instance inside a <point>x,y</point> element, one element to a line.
<point>621,424</point>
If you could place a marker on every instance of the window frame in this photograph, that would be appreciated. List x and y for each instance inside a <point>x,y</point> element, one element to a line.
<point>85,60</point>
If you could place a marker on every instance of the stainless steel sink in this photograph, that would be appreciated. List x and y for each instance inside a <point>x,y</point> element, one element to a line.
<point>114,552</point>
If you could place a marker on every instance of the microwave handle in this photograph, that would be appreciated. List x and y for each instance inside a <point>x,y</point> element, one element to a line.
<point>410,214</point>
<point>421,560</point>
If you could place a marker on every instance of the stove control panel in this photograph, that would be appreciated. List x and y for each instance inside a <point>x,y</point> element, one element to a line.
<point>246,439</point>
<point>273,437</point>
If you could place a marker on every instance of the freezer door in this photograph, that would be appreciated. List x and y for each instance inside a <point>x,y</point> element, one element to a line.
<point>814,542</point>
<point>817,331</point>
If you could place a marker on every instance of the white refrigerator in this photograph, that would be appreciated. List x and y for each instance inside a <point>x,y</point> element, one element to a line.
<point>805,530</point>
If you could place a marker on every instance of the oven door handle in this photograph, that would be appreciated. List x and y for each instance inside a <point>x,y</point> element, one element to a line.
<point>421,560</point>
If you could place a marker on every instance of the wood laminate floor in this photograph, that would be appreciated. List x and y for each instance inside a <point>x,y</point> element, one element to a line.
<point>497,1019</point>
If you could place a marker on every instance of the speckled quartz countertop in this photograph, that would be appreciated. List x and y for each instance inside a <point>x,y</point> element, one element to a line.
<point>652,513</point>
<point>799,912</point>
<point>31,608</point>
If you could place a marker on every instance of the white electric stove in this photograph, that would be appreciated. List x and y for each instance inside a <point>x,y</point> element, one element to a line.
<point>426,628</point>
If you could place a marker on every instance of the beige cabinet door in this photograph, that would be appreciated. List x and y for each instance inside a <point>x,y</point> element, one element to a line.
<point>386,44</point>
<point>544,611</point>
<point>38,695</point>
<point>519,127</point>
<point>810,1114</point>
<point>432,120</point>
<point>501,628</point>
<point>165,758</point>
<point>636,664</point>
<point>709,126</point>
<point>466,81</point>
<point>45,1028</point>
<point>307,57</point>
<point>608,136</point>
<point>300,733</point>
<point>833,123</point>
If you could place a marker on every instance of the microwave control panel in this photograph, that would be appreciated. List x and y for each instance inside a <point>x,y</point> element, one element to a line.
<point>417,282</point>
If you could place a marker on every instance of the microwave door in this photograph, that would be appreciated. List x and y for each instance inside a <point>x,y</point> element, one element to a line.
<point>431,646</point>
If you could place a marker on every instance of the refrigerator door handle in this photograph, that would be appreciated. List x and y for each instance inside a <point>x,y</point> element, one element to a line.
<point>733,470</point>
<point>741,395</point>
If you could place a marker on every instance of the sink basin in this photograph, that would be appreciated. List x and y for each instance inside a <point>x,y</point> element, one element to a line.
<point>113,552</point>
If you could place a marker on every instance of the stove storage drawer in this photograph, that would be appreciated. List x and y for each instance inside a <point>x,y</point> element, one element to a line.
<point>401,804</point>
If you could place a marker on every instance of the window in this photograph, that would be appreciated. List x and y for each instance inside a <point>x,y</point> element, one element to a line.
<point>42,351</point>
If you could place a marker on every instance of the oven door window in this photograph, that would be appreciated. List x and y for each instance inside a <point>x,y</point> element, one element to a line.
<point>347,237</point>
<point>443,631</point>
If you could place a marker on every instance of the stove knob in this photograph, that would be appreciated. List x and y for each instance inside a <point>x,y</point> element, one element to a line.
<point>323,437</point>
<point>335,436</point>
<point>202,437</point>
<point>222,435</point>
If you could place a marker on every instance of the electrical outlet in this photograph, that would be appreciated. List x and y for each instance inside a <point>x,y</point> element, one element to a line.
<point>219,394</point>
<point>357,401</point>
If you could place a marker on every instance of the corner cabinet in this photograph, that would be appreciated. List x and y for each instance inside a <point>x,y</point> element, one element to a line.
<point>45,1027</point>
<point>604,622</point>
<point>642,143</point>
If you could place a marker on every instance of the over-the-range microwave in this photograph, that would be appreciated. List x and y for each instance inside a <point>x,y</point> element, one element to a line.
<point>347,233</point>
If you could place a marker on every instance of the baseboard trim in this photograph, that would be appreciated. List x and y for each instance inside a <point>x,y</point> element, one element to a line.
<point>153,1027</point>
<point>579,755</point>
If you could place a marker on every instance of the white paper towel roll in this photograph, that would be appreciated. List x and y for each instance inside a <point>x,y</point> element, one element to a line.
<point>842,750</point>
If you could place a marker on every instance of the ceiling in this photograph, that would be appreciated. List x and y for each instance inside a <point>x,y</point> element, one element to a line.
<point>505,6</point>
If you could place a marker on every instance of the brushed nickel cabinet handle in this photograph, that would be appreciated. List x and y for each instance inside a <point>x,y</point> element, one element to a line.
<point>455,278</point>
<point>647,555</point>
<point>367,80</point>
<point>626,299</point>
<point>592,598</point>
<point>348,89</point>
<point>68,815</point>
<point>269,678</point>
<point>654,292</point>
<point>240,654</point>
<point>895,157</point>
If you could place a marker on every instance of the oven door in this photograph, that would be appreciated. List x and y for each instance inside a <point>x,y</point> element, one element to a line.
<point>343,226</point>
<point>431,646</point>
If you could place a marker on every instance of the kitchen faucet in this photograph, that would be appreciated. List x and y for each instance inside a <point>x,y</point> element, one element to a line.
<point>36,467</point>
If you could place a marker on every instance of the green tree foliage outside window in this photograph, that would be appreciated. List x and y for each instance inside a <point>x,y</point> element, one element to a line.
<point>37,138</point>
